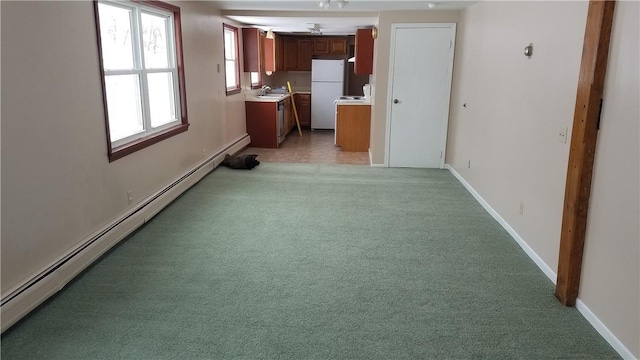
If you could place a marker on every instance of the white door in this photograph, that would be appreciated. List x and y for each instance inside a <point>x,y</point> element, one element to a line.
<point>421,66</point>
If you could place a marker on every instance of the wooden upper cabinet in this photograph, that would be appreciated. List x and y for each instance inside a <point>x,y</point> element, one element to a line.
<point>251,48</point>
<point>290,53</point>
<point>338,46</point>
<point>279,53</point>
<point>269,55</point>
<point>364,52</point>
<point>320,46</point>
<point>330,46</point>
<point>294,53</point>
<point>305,53</point>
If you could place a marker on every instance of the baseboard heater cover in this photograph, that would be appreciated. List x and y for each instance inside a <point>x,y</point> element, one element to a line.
<point>25,297</point>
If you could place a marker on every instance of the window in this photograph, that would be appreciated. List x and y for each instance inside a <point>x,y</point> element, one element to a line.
<point>231,63</point>
<point>256,80</point>
<point>142,73</point>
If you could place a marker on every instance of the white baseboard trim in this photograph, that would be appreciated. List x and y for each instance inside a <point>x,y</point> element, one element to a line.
<point>604,331</point>
<point>23,298</point>
<point>580,306</point>
<point>527,249</point>
<point>371,161</point>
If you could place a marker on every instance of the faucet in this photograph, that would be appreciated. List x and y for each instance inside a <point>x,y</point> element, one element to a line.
<point>264,89</point>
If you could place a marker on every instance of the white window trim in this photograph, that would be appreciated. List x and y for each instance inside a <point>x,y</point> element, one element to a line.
<point>236,61</point>
<point>137,10</point>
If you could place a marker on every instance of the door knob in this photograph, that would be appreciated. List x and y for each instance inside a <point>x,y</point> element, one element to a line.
<point>395,101</point>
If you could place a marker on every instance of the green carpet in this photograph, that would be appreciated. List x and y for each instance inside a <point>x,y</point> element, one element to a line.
<point>306,261</point>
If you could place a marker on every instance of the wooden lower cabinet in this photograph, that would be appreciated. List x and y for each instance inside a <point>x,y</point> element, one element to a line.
<point>303,106</point>
<point>262,123</point>
<point>289,118</point>
<point>353,127</point>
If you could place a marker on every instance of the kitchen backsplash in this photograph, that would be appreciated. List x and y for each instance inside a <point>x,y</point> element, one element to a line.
<point>300,80</point>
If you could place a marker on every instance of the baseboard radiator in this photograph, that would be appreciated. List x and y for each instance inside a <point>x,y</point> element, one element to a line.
<point>25,297</point>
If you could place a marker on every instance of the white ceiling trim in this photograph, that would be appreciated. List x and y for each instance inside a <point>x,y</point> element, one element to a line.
<point>297,16</point>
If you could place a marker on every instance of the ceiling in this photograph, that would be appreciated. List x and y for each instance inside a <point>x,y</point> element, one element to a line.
<point>297,16</point>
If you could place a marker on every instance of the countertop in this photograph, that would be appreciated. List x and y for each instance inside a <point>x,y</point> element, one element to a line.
<point>257,98</point>
<point>254,96</point>
<point>353,102</point>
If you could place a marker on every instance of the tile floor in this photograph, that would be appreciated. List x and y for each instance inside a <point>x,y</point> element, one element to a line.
<point>313,147</point>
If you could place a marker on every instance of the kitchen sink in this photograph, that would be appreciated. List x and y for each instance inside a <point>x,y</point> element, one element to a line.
<point>272,96</point>
<point>351,98</point>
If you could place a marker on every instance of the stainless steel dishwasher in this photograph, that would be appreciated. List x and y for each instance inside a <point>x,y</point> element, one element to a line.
<point>281,129</point>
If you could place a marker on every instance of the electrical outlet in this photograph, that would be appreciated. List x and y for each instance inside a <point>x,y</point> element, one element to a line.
<point>562,134</point>
<point>204,152</point>
<point>130,197</point>
<point>521,208</point>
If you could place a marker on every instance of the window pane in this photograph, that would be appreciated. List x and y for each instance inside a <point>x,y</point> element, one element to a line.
<point>230,69</point>
<point>115,34</point>
<point>229,45</point>
<point>154,38</point>
<point>161,98</point>
<point>255,78</point>
<point>124,106</point>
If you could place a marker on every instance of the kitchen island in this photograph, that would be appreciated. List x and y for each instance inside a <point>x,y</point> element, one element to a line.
<point>353,124</point>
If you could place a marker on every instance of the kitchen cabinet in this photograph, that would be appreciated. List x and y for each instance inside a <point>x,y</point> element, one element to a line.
<point>363,52</point>
<point>338,46</point>
<point>269,52</point>
<point>297,53</point>
<point>305,53</point>
<point>303,106</point>
<point>330,46</point>
<point>320,46</point>
<point>252,50</point>
<point>289,117</point>
<point>290,53</point>
<point>262,123</point>
<point>279,53</point>
<point>353,127</point>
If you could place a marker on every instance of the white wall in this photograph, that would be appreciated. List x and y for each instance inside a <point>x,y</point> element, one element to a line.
<point>58,186</point>
<point>610,271</point>
<point>508,131</point>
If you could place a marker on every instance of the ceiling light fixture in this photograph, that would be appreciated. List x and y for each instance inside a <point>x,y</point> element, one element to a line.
<point>270,34</point>
<point>325,4</point>
<point>315,29</point>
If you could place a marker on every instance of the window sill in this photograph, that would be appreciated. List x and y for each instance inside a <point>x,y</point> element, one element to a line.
<point>130,148</point>
<point>233,92</point>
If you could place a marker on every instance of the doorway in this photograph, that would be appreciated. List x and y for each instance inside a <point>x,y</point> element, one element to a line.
<point>420,72</point>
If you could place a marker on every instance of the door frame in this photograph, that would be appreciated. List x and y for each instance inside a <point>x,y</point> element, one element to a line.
<point>394,28</point>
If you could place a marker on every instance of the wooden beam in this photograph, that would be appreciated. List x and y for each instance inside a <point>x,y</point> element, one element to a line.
<point>593,68</point>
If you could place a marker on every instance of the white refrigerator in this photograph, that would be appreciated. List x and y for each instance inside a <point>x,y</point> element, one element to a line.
<point>327,84</point>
